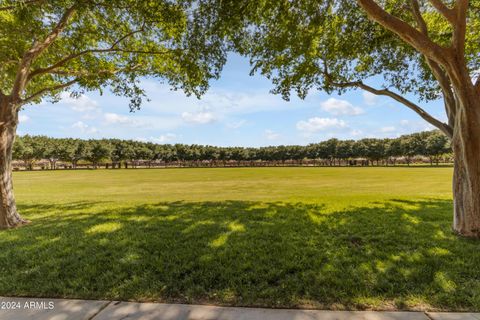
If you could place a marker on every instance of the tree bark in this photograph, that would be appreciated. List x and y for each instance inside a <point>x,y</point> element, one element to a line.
<point>9,216</point>
<point>466,177</point>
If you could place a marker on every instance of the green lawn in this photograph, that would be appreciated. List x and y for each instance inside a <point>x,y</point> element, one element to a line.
<point>340,238</point>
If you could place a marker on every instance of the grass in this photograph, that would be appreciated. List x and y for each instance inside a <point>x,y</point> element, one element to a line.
<point>338,238</point>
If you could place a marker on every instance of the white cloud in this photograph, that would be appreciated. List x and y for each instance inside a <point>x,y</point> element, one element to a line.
<point>79,125</point>
<point>23,118</point>
<point>199,117</point>
<point>271,135</point>
<point>339,107</point>
<point>113,118</point>
<point>81,104</point>
<point>83,127</point>
<point>369,98</point>
<point>387,129</point>
<point>319,124</point>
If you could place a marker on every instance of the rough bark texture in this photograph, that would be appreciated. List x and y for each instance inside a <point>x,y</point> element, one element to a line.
<point>9,216</point>
<point>466,178</point>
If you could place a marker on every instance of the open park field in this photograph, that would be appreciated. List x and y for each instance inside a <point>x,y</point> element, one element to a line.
<point>339,238</point>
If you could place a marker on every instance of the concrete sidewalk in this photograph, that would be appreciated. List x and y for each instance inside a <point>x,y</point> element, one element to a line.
<point>64,309</point>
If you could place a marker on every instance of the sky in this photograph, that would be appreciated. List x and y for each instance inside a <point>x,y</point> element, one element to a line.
<point>237,110</point>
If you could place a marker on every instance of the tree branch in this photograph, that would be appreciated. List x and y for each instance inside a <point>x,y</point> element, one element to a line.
<point>445,128</point>
<point>72,56</point>
<point>422,25</point>
<point>437,71</point>
<point>406,32</point>
<point>421,112</point>
<point>448,13</point>
<point>52,68</point>
<point>84,74</point>
<point>38,47</point>
<point>448,93</point>
<point>78,76</point>
<point>41,92</point>
<point>458,41</point>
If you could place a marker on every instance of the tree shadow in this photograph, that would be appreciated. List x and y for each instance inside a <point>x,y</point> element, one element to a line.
<point>398,254</point>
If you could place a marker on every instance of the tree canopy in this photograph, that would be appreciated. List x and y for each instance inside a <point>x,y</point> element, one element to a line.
<point>48,46</point>
<point>336,45</point>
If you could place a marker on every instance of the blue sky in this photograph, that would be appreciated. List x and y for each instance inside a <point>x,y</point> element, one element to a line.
<point>238,110</point>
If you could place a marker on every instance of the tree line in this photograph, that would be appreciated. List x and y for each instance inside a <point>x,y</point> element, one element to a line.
<point>30,152</point>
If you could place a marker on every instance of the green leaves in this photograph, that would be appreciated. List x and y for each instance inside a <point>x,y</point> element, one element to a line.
<point>296,43</point>
<point>108,44</point>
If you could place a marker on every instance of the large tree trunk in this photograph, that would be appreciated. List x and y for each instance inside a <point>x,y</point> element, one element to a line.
<point>9,216</point>
<point>466,178</point>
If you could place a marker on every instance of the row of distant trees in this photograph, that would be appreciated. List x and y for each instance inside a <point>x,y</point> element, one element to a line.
<point>43,152</point>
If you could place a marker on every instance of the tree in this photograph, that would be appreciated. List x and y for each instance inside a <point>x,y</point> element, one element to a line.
<point>181,152</point>
<point>30,149</point>
<point>24,151</point>
<point>68,151</point>
<point>328,150</point>
<point>165,153</point>
<point>80,152</point>
<point>426,47</point>
<point>52,151</point>
<point>98,150</point>
<point>142,152</point>
<point>344,149</point>
<point>374,149</point>
<point>393,150</point>
<point>437,144</point>
<point>82,45</point>
<point>312,152</point>
<point>412,145</point>
<point>121,150</point>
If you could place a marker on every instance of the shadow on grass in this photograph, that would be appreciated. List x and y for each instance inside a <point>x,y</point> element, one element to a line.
<point>399,254</point>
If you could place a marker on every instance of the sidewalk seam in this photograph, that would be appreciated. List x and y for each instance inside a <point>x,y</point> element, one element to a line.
<point>100,310</point>
<point>427,315</point>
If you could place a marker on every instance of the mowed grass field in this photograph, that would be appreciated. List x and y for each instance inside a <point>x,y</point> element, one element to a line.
<point>338,238</point>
